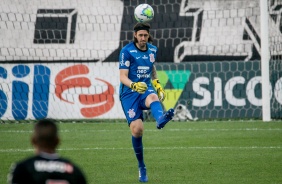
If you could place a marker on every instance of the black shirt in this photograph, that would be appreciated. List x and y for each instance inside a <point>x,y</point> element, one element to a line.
<point>46,169</point>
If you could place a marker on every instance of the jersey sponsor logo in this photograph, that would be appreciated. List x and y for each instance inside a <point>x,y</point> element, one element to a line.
<point>142,72</point>
<point>145,57</point>
<point>143,68</point>
<point>153,50</point>
<point>152,58</point>
<point>145,75</point>
<point>138,57</point>
<point>131,113</point>
<point>53,166</point>
<point>121,62</point>
<point>133,51</point>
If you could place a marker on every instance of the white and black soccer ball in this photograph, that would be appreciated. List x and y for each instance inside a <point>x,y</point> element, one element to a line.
<point>144,13</point>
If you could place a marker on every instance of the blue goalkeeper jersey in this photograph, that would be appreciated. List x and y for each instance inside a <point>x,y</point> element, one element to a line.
<point>139,63</point>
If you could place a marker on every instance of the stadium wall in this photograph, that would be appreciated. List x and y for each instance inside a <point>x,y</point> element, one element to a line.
<point>90,90</point>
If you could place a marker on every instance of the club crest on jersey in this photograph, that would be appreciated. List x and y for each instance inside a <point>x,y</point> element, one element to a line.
<point>152,58</point>
<point>131,113</point>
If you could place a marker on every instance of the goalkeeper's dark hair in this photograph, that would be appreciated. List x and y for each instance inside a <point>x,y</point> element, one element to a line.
<point>46,134</point>
<point>142,26</point>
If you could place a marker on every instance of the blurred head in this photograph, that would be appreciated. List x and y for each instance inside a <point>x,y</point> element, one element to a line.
<point>45,136</point>
<point>142,34</point>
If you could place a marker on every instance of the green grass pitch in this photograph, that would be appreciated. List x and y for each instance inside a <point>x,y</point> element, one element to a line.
<point>183,152</point>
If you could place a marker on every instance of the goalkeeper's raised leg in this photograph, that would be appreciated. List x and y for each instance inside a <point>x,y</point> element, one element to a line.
<point>166,117</point>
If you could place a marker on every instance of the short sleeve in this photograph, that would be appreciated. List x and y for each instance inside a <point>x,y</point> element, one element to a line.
<point>124,59</point>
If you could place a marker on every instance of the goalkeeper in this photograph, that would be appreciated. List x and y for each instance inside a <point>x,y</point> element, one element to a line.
<point>137,74</point>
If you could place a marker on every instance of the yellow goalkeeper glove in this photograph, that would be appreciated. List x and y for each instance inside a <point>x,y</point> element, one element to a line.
<point>160,91</point>
<point>139,87</point>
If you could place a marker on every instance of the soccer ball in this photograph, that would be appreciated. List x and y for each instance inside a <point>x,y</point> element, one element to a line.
<point>144,13</point>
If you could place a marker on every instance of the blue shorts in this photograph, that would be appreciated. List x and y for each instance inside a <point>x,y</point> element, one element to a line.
<point>133,104</point>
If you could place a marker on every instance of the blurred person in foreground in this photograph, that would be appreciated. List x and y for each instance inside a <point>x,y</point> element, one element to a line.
<point>137,69</point>
<point>46,166</point>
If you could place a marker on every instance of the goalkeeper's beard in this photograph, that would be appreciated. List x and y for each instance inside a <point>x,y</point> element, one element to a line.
<point>142,45</point>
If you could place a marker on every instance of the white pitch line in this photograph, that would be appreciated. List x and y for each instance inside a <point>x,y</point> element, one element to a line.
<point>150,148</point>
<point>175,130</point>
<point>225,129</point>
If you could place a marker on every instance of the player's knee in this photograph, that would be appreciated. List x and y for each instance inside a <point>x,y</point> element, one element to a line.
<point>154,97</point>
<point>137,128</point>
<point>137,132</point>
<point>151,98</point>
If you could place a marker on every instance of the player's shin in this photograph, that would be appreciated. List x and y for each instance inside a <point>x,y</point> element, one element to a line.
<point>138,149</point>
<point>156,109</point>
